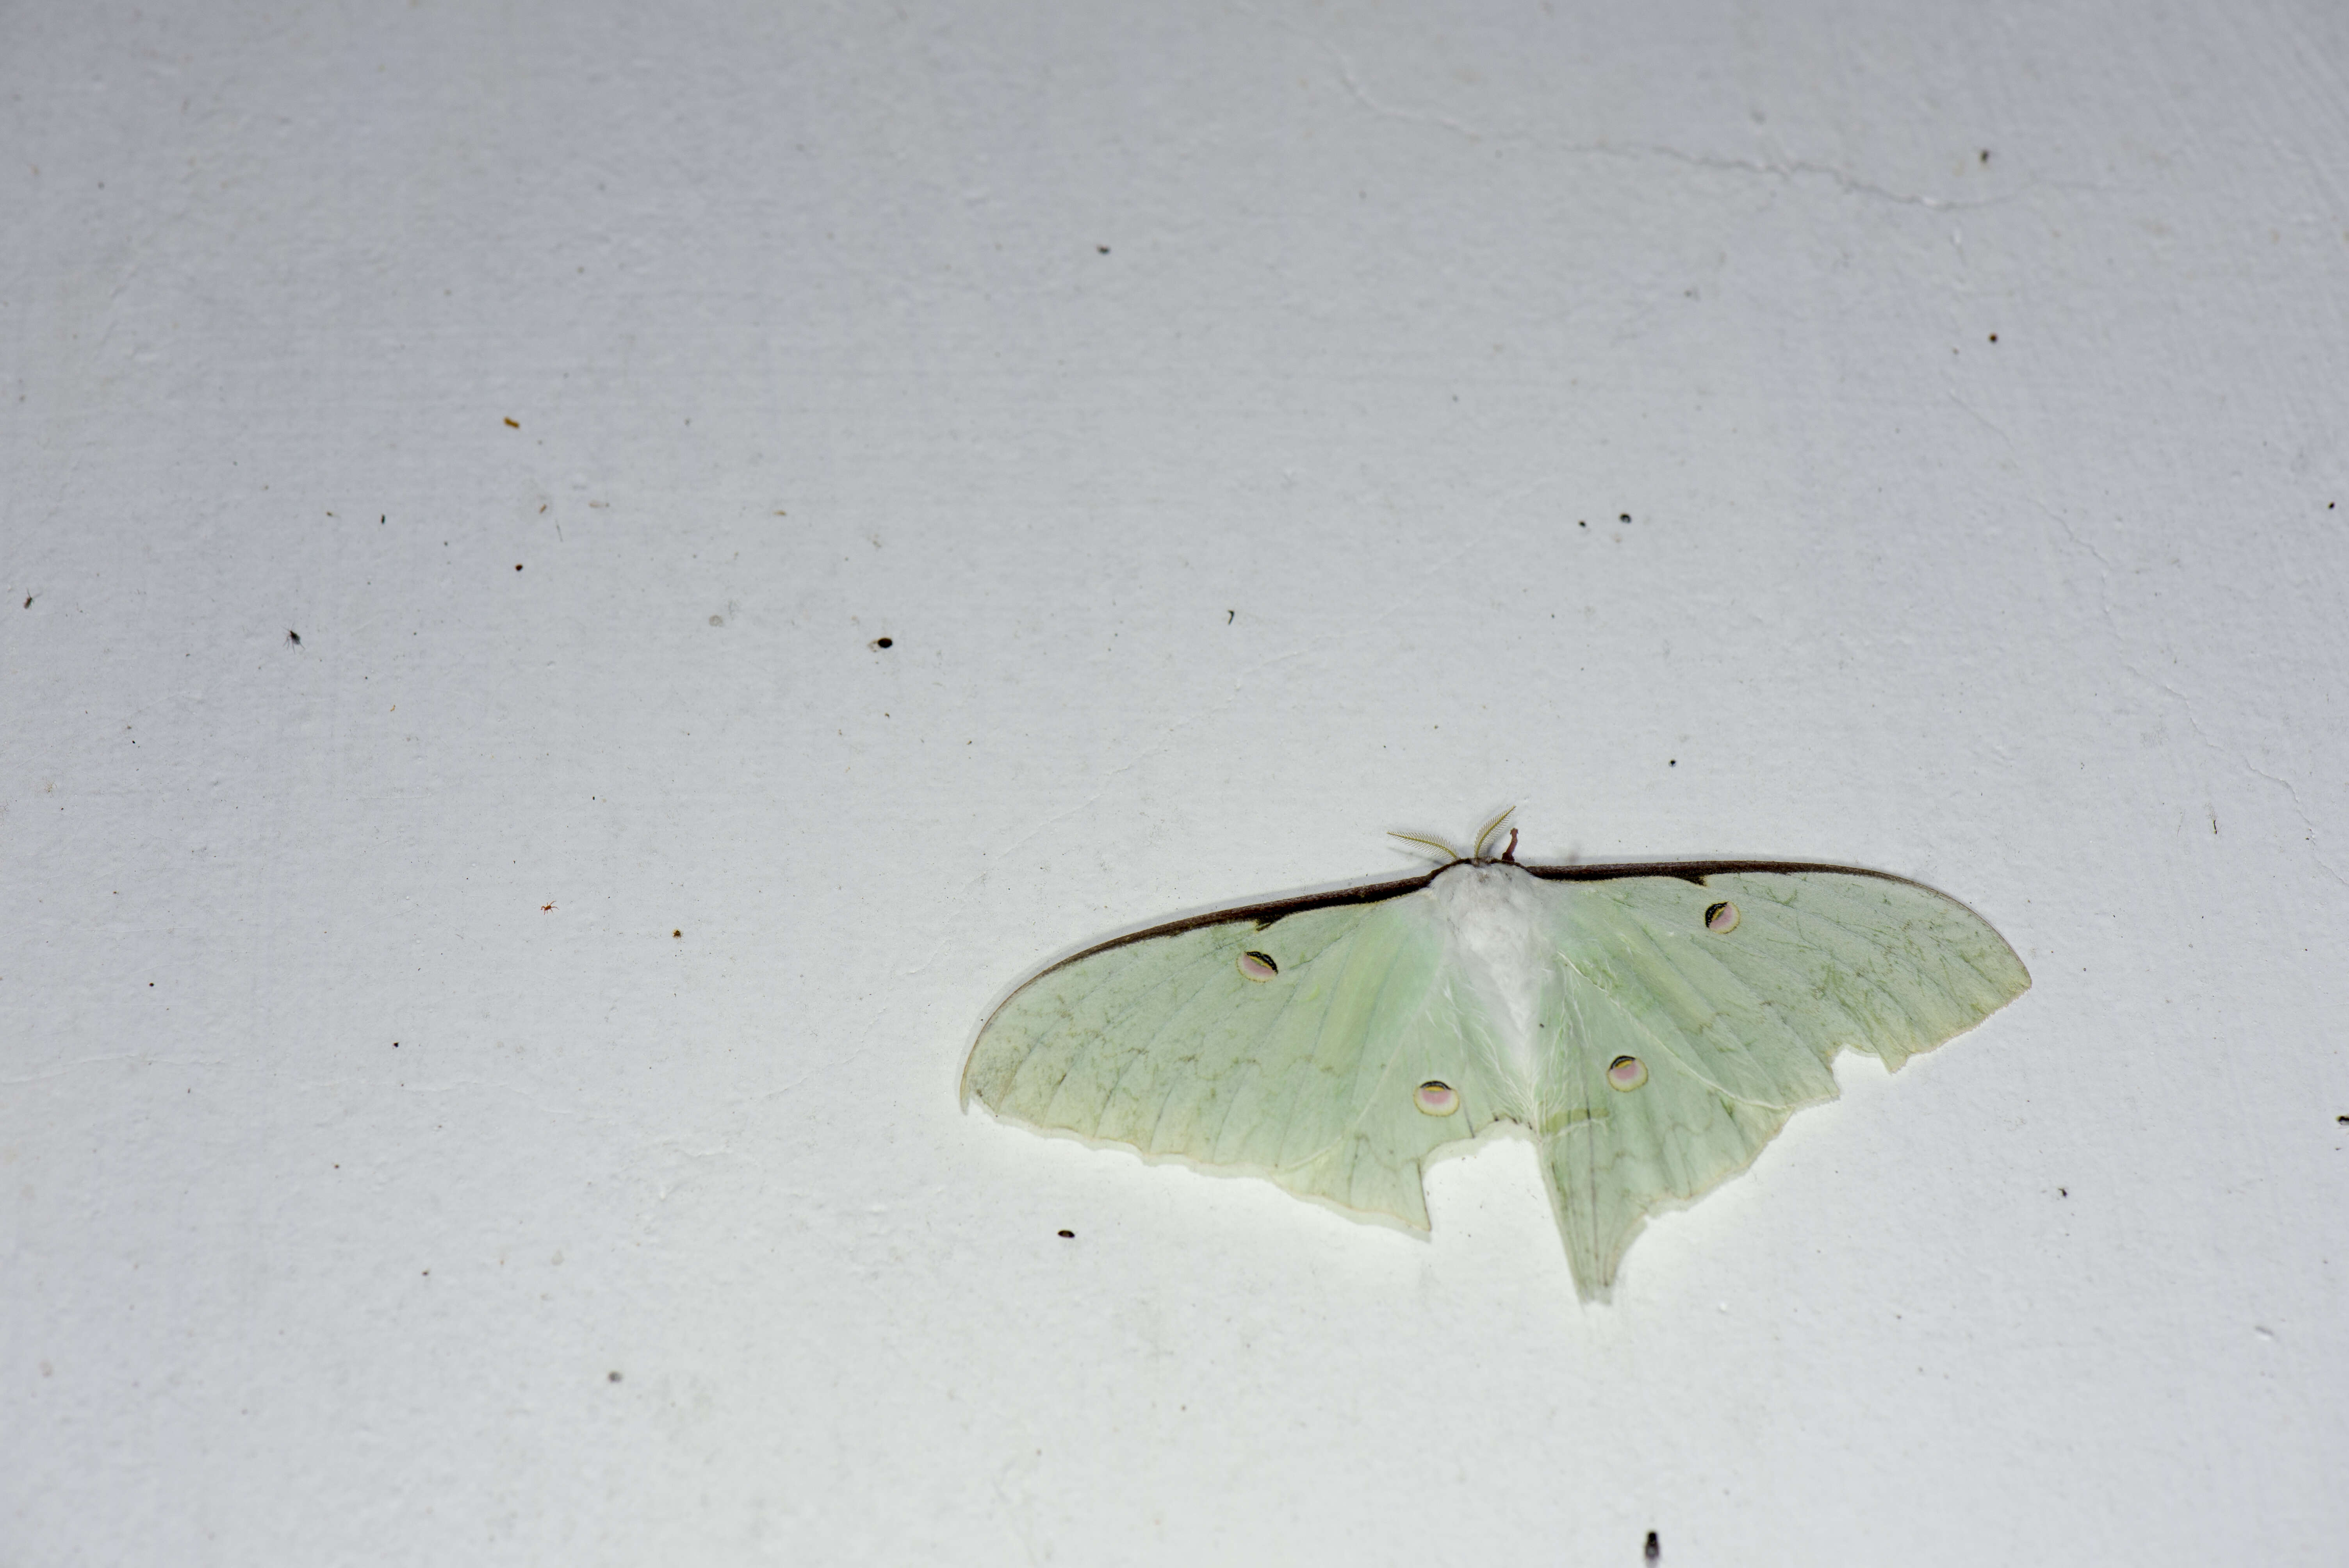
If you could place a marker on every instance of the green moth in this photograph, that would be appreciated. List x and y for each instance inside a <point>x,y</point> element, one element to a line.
<point>1652,1027</point>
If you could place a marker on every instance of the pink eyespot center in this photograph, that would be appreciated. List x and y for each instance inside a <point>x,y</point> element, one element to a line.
<point>1720,919</point>
<point>1626,1073</point>
<point>1258,965</point>
<point>1436,1098</point>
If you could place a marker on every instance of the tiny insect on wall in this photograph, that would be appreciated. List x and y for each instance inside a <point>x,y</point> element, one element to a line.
<point>1651,1026</point>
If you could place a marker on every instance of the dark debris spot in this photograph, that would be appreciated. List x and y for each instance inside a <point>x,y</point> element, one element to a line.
<point>294,638</point>
<point>513,424</point>
<point>1655,1549</point>
<point>1985,155</point>
<point>1994,337</point>
<point>1068,1235</point>
<point>1625,518</point>
<point>517,565</point>
<point>676,933</point>
<point>611,1377</point>
<point>879,643</point>
<point>1103,249</point>
<point>2343,1120</point>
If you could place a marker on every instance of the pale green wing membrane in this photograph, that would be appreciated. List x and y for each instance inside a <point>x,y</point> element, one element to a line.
<point>1730,995</point>
<point>1291,1046</point>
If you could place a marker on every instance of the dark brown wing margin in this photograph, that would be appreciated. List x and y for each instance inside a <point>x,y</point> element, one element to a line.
<point>1264,914</point>
<point>1697,870</point>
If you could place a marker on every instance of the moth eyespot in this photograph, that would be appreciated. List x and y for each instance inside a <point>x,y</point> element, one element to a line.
<point>1721,918</point>
<point>1258,965</point>
<point>1626,1073</point>
<point>1436,1098</point>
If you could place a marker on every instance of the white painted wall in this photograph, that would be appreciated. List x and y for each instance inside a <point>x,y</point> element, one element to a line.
<point>1208,401</point>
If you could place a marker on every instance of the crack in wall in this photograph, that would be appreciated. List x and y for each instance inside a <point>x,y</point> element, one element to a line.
<point>1785,173</point>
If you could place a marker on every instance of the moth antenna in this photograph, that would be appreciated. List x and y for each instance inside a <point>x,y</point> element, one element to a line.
<point>1490,828</point>
<point>1449,853</point>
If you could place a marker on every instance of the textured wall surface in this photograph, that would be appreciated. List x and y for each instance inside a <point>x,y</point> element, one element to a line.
<point>478,1082</point>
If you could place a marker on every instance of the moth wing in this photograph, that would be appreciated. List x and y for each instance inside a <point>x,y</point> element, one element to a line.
<point>1735,1027</point>
<point>1163,1043</point>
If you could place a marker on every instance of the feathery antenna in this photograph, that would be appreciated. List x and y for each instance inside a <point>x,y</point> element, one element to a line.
<point>1490,828</point>
<point>1449,853</point>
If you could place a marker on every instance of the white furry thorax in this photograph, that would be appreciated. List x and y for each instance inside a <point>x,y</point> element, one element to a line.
<point>1491,910</point>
